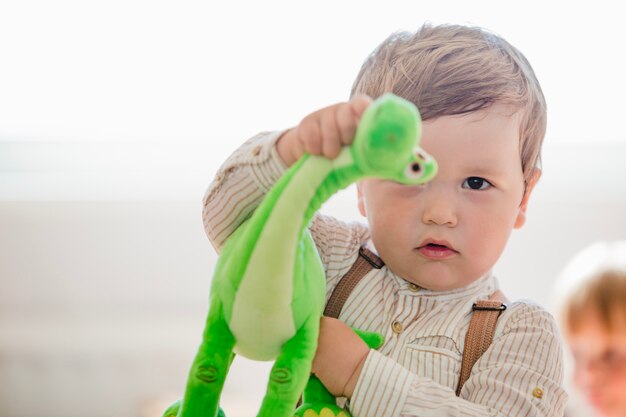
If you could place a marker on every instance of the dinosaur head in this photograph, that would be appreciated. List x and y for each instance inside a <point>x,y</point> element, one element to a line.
<point>386,142</point>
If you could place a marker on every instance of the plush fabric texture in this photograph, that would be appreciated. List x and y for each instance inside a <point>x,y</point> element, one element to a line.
<point>268,288</point>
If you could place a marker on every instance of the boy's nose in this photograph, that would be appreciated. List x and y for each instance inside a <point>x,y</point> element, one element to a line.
<point>439,207</point>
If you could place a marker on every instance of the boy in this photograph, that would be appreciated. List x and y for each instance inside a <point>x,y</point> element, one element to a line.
<point>592,294</point>
<point>484,120</point>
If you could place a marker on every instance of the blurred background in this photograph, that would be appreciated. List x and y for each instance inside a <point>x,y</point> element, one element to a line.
<point>115,115</point>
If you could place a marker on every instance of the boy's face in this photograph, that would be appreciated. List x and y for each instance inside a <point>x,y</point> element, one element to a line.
<point>449,232</point>
<point>600,362</point>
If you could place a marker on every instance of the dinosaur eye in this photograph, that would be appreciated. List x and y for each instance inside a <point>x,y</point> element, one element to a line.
<point>414,170</point>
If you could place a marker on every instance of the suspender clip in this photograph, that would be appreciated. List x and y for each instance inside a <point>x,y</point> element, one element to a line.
<point>476,307</point>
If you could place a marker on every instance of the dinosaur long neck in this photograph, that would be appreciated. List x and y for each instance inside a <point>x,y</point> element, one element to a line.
<point>302,191</point>
<point>342,175</point>
<point>280,280</point>
<point>278,225</point>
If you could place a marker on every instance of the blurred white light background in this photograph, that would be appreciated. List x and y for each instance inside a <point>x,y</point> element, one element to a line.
<point>114,116</point>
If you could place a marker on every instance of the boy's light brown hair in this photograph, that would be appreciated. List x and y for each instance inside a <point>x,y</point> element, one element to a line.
<point>604,295</point>
<point>595,283</point>
<point>454,69</point>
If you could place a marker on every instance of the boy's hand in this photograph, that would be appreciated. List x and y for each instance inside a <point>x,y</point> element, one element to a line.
<point>323,132</point>
<point>339,358</point>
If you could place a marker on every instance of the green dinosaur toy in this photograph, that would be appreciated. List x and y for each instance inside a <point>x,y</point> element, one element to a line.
<point>268,288</point>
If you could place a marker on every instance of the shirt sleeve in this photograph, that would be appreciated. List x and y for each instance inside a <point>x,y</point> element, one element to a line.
<point>238,188</point>
<point>519,375</point>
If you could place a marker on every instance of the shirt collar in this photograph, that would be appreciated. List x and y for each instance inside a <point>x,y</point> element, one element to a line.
<point>485,285</point>
<point>482,287</point>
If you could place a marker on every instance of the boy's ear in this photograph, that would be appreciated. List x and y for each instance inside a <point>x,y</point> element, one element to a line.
<point>521,215</point>
<point>361,199</point>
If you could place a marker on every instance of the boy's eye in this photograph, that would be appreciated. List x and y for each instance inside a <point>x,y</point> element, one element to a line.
<point>476,183</point>
<point>613,358</point>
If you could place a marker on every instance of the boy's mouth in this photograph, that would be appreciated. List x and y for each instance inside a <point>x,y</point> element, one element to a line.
<point>436,249</point>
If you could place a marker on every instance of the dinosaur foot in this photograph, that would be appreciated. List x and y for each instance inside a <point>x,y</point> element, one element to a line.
<point>174,410</point>
<point>320,410</point>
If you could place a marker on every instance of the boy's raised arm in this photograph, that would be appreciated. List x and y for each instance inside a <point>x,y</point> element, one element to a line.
<point>245,177</point>
<point>239,186</point>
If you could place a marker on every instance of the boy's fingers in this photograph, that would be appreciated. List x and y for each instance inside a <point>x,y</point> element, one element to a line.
<point>297,146</point>
<point>347,122</point>
<point>331,148</point>
<point>310,133</point>
<point>330,140</point>
<point>359,103</point>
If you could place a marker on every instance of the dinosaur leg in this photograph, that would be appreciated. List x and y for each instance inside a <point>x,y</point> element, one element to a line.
<point>291,371</point>
<point>210,366</point>
<point>174,408</point>
<point>317,401</point>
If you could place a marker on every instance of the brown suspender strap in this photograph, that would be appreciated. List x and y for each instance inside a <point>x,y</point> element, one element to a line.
<point>365,262</point>
<point>480,333</point>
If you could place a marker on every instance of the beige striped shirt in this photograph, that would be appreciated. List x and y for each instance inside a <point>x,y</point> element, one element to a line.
<point>416,371</point>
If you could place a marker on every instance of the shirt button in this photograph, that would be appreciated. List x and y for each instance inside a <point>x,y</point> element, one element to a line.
<point>413,287</point>
<point>256,150</point>
<point>537,392</point>
<point>397,327</point>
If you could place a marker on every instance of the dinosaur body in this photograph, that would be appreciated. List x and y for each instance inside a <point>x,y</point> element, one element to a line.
<point>268,288</point>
